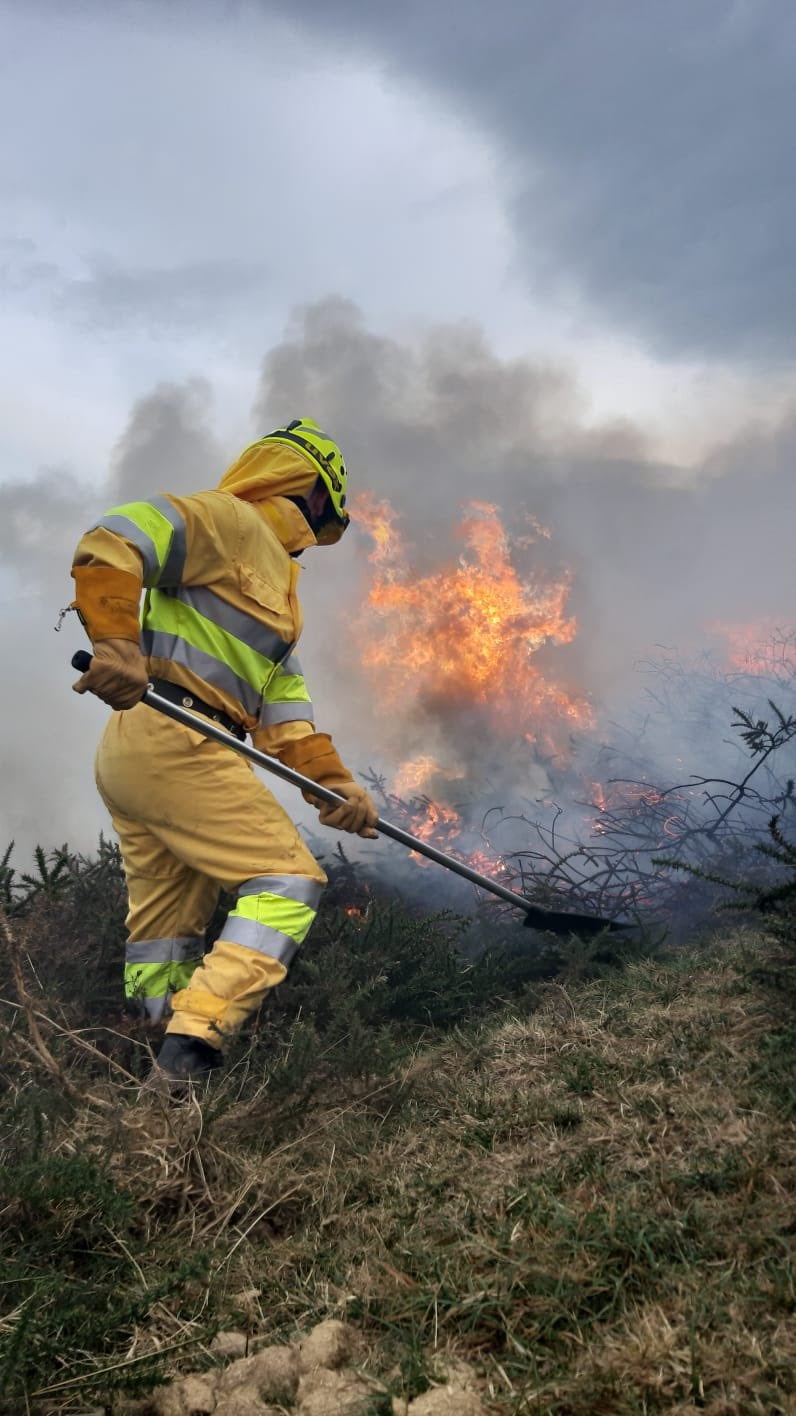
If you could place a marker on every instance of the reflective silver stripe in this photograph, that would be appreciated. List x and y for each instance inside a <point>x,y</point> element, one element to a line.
<point>301,712</point>
<point>170,572</point>
<point>164,951</point>
<point>291,665</point>
<point>252,632</point>
<point>159,645</point>
<point>290,887</point>
<point>127,528</point>
<point>259,938</point>
<point>156,1008</point>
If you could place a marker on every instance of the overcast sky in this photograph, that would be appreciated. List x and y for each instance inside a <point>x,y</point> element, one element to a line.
<point>581,214</point>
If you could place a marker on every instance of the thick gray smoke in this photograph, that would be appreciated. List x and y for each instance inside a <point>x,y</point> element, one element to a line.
<point>45,792</point>
<point>428,425</point>
<point>656,558</point>
<point>654,561</point>
<point>48,734</point>
<point>167,445</point>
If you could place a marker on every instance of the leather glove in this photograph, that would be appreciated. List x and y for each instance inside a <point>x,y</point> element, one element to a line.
<point>315,756</point>
<point>359,815</point>
<point>118,674</point>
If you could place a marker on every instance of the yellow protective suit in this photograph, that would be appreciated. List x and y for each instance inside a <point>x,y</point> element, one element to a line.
<point>220,619</point>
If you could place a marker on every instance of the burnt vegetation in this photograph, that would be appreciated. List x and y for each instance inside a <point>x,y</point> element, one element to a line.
<point>671,811</point>
<point>565,1164</point>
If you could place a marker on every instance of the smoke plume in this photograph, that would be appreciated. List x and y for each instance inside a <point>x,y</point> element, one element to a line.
<point>655,558</point>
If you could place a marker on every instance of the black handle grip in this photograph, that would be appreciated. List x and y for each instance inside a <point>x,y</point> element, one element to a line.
<point>81,661</point>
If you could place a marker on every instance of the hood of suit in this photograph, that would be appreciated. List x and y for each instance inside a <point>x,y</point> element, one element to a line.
<point>266,474</point>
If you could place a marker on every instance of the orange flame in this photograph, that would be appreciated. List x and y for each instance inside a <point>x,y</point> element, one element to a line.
<point>599,798</point>
<point>413,775</point>
<point>431,821</point>
<point>466,633</point>
<point>444,827</point>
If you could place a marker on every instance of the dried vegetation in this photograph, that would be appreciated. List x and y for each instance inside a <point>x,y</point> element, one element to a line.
<point>558,1184</point>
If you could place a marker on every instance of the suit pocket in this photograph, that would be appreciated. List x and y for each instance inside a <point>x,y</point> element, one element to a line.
<point>272,601</point>
<point>255,586</point>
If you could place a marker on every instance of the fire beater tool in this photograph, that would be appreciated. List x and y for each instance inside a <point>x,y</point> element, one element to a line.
<point>551,921</point>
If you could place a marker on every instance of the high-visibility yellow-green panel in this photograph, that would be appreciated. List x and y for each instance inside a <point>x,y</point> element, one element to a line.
<point>275,912</point>
<point>152,522</point>
<point>155,980</point>
<point>288,688</point>
<point>172,616</point>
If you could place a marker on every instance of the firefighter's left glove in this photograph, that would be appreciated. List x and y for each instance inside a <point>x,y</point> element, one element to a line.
<point>315,756</point>
<point>118,674</point>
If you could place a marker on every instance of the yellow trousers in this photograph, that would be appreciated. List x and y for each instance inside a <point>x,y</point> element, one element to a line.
<point>191,817</point>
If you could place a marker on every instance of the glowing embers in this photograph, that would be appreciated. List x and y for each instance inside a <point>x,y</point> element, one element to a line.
<point>759,647</point>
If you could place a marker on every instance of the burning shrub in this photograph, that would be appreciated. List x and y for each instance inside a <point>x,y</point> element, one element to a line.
<point>513,767</point>
<point>599,837</point>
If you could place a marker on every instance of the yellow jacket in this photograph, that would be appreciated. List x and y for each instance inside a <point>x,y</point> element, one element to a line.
<point>220,614</point>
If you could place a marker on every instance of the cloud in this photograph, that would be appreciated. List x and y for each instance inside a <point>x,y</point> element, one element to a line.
<point>175,169</point>
<point>647,149</point>
<point>197,295</point>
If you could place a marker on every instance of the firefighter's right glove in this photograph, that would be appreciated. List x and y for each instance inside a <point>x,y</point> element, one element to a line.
<point>315,756</point>
<point>359,815</point>
<point>118,674</point>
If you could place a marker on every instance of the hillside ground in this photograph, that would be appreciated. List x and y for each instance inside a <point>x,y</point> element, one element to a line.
<point>579,1193</point>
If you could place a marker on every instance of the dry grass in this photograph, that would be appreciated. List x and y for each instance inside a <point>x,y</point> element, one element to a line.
<point>593,1205</point>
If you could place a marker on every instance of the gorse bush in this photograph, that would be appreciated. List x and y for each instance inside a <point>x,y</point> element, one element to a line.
<point>377,965</point>
<point>72,1261</point>
<point>454,1131</point>
<point>777,904</point>
<point>71,909</point>
<point>769,894</point>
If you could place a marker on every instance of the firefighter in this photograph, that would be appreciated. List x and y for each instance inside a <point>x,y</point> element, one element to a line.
<point>216,632</point>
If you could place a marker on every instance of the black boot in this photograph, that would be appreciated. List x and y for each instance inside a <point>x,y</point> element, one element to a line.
<point>181,1061</point>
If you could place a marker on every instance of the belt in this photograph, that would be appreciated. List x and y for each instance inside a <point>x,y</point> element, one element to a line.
<point>175,694</point>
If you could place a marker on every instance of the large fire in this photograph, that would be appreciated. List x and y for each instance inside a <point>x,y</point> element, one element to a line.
<point>459,643</point>
<point>461,651</point>
<point>464,636</point>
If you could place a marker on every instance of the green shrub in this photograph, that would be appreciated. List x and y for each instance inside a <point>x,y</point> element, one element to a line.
<point>72,1276</point>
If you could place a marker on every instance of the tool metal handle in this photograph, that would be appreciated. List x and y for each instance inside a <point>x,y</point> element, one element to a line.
<point>82,661</point>
<point>537,917</point>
